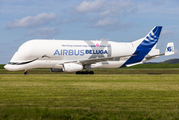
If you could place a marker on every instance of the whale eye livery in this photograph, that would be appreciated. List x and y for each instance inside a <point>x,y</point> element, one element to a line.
<point>76,55</point>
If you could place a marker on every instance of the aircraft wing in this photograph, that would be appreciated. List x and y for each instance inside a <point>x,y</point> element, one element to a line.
<point>95,60</point>
<point>153,56</point>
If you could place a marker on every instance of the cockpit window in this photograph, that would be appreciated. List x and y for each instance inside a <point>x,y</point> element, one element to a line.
<point>12,63</point>
<point>21,63</point>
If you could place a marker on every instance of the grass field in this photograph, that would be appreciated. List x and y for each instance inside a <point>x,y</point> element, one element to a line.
<point>55,96</point>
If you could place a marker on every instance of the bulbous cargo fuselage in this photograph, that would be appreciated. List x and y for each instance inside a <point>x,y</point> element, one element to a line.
<point>55,53</point>
<point>75,55</point>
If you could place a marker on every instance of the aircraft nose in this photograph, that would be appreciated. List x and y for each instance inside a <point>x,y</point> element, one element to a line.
<point>7,67</point>
<point>10,67</point>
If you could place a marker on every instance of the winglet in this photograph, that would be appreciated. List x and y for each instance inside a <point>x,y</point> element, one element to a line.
<point>169,49</point>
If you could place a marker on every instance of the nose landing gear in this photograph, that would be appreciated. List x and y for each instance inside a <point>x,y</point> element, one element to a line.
<point>25,72</point>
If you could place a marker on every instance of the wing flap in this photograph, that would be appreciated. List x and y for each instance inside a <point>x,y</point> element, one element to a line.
<point>94,60</point>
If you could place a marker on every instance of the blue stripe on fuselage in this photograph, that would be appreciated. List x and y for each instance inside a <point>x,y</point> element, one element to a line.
<point>137,58</point>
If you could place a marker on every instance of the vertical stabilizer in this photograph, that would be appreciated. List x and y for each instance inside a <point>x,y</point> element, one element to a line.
<point>150,40</point>
<point>144,45</point>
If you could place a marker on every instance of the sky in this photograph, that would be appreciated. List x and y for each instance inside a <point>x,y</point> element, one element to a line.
<point>115,20</point>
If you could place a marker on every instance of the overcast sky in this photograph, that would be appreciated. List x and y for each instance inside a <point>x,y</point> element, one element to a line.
<point>115,20</point>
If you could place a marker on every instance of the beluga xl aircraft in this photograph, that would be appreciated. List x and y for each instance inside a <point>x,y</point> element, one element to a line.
<point>76,55</point>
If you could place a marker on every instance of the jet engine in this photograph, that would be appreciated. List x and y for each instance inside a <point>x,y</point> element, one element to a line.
<point>72,67</point>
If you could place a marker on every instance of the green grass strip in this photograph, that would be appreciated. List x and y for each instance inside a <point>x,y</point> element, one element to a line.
<point>91,97</point>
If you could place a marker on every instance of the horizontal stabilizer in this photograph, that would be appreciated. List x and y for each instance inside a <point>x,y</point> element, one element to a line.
<point>170,49</point>
<point>129,65</point>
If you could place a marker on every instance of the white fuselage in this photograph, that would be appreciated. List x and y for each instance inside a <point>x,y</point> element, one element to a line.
<point>54,53</point>
<point>76,55</point>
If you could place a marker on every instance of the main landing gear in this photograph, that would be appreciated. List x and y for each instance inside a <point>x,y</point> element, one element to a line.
<point>85,72</point>
<point>25,72</point>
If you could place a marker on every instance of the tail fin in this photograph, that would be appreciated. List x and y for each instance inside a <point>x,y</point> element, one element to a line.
<point>169,49</point>
<point>144,46</point>
<point>150,40</point>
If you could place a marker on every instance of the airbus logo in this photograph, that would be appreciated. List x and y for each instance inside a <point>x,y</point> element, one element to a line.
<point>169,48</point>
<point>79,52</point>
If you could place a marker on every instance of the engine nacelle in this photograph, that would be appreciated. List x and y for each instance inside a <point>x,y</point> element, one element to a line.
<point>56,70</point>
<point>97,65</point>
<point>72,67</point>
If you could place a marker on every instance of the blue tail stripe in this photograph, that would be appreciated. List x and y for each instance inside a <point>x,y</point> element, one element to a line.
<point>146,45</point>
<point>147,42</point>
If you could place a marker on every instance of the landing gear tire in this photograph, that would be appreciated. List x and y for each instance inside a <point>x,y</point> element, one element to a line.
<point>78,72</point>
<point>26,73</point>
<point>84,72</point>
